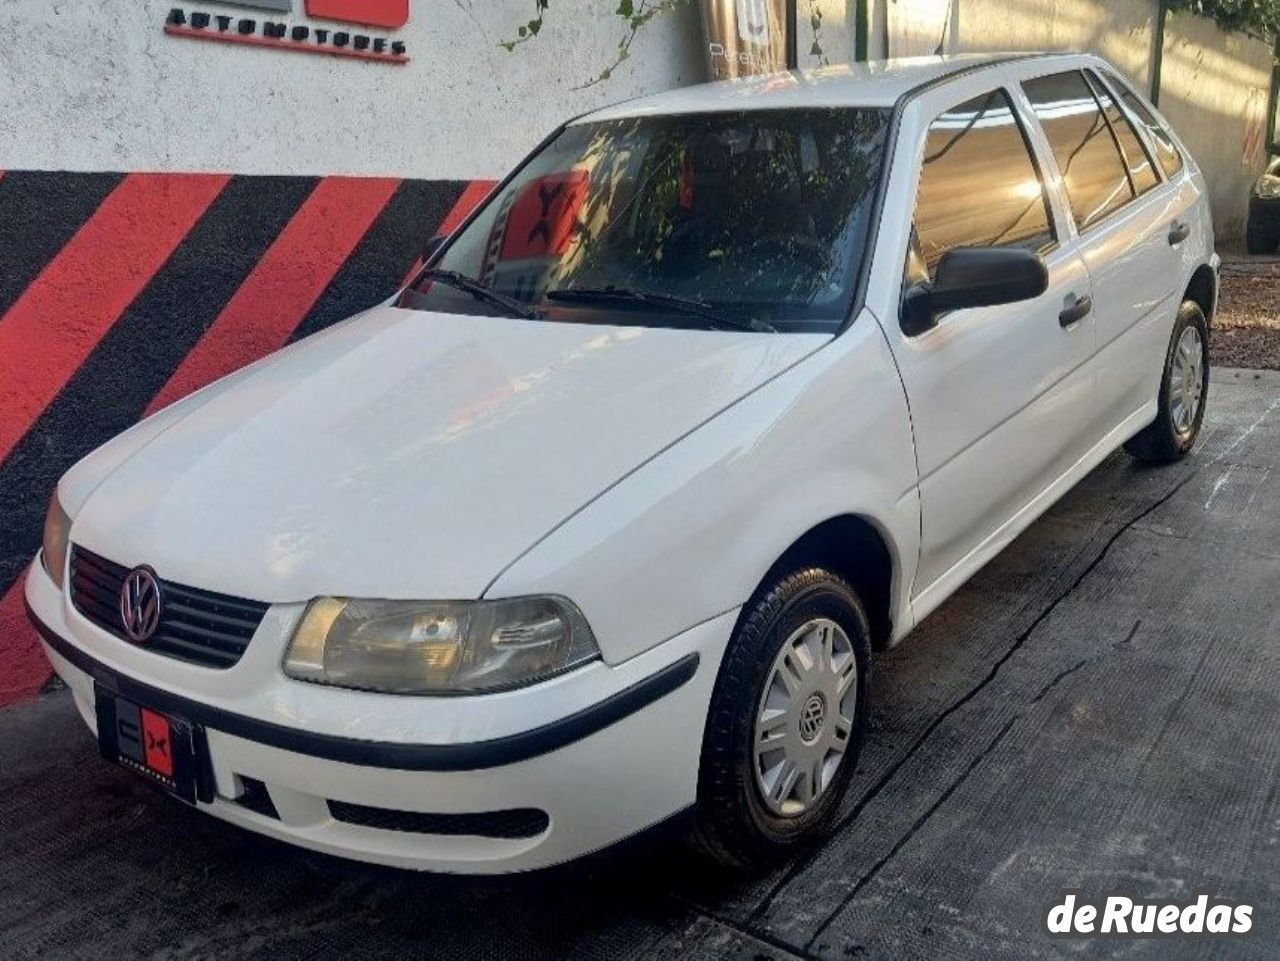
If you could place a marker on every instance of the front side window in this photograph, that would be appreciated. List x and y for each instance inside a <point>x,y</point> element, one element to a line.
<point>1141,173</point>
<point>1092,166</point>
<point>979,186</point>
<point>754,218</point>
<point>1166,151</point>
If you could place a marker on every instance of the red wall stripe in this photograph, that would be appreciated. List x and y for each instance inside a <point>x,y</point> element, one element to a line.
<point>471,196</point>
<point>23,667</point>
<point>286,283</point>
<point>50,330</point>
<point>296,270</point>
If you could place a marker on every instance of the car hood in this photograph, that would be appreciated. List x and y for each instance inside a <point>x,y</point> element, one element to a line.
<point>405,454</point>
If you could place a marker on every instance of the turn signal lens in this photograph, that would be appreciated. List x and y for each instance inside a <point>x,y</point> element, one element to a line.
<point>57,535</point>
<point>438,647</point>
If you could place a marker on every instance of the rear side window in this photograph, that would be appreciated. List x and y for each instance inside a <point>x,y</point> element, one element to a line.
<point>979,186</point>
<point>1166,151</point>
<point>1092,167</point>
<point>1141,172</point>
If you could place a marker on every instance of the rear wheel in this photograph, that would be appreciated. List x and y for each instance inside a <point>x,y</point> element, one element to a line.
<point>1183,391</point>
<point>787,718</point>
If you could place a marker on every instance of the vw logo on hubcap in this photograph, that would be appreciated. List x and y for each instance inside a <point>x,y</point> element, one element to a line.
<point>811,718</point>
<point>140,604</point>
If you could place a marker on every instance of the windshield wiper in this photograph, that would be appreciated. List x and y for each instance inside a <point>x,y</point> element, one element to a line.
<point>683,305</point>
<point>451,278</point>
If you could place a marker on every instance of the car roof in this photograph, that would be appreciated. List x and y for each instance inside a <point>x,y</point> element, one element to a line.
<point>876,84</point>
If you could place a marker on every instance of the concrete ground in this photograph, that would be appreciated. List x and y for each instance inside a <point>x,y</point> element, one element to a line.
<point>1099,709</point>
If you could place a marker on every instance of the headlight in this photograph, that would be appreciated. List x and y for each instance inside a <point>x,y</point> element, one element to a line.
<point>1269,188</point>
<point>57,534</point>
<point>438,647</point>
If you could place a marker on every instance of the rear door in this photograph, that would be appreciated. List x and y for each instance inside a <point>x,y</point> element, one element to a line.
<point>1000,397</point>
<point>1130,220</point>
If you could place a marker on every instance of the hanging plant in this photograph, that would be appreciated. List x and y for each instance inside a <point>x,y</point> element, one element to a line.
<point>635,15</point>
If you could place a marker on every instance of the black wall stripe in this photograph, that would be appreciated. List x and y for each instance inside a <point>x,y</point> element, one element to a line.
<point>385,253</point>
<point>39,213</point>
<point>133,361</point>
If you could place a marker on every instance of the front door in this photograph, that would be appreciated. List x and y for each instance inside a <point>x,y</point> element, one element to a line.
<point>1001,398</point>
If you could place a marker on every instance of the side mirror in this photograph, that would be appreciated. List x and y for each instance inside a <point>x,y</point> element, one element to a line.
<point>431,246</point>
<point>974,277</point>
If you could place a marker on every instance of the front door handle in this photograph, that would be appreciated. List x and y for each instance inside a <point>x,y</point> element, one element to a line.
<point>1076,312</point>
<point>1178,233</point>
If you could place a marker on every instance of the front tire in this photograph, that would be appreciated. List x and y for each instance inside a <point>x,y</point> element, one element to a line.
<point>1184,389</point>
<point>787,719</point>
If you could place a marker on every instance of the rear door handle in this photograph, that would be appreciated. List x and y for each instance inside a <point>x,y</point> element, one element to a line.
<point>1076,312</point>
<point>1178,233</point>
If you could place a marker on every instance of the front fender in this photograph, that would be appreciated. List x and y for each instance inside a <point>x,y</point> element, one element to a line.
<point>690,534</point>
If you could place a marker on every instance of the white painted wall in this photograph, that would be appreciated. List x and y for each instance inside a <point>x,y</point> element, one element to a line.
<point>98,86</point>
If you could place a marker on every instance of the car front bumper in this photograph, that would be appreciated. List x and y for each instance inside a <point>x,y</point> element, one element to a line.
<point>603,752</point>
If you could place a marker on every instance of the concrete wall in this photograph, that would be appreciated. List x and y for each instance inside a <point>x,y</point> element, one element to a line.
<point>99,86</point>
<point>1214,89</point>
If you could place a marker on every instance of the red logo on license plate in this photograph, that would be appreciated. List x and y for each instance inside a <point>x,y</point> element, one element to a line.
<point>157,738</point>
<point>392,14</point>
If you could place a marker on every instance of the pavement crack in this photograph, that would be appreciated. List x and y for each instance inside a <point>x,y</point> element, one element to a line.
<point>790,951</point>
<point>1084,662</point>
<point>1058,679</point>
<point>794,871</point>
<point>911,832</point>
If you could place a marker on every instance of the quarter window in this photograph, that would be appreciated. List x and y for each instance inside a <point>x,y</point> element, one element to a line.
<point>979,186</point>
<point>1088,156</point>
<point>1141,173</point>
<point>1166,151</point>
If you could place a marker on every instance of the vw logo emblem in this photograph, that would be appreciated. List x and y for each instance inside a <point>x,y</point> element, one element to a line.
<point>140,604</point>
<point>812,717</point>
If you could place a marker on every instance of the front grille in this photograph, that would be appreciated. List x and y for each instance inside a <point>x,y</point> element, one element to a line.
<point>201,627</point>
<point>512,824</point>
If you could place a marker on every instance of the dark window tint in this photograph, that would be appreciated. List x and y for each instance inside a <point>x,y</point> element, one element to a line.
<point>1091,164</point>
<point>1141,172</point>
<point>1166,151</point>
<point>979,186</point>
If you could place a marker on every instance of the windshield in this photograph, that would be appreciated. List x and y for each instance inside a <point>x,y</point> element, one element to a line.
<point>751,219</point>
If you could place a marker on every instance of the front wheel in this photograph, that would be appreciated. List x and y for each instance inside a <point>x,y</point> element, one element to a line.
<point>787,718</point>
<point>1184,389</point>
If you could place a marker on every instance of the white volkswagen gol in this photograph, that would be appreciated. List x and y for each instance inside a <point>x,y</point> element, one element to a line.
<point>600,520</point>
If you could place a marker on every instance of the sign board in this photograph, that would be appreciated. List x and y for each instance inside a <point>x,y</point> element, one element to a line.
<point>302,37</point>
<point>746,37</point>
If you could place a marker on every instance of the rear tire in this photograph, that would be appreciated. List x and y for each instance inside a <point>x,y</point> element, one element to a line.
<point>795,680</point>
<point>1184,391</point>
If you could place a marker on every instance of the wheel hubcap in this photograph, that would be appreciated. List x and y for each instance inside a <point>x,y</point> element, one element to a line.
<point>1186,381</point>
<point>804,723</point>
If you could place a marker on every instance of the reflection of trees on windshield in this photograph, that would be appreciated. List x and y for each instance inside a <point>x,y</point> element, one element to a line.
<point>761,214</point>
